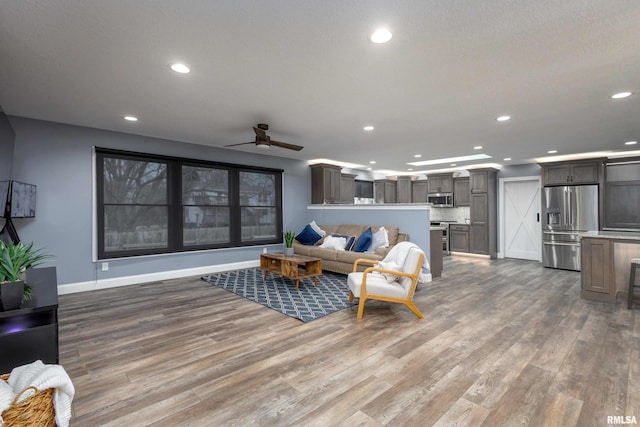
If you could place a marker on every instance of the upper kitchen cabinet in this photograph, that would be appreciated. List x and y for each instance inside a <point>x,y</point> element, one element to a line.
<point>403,189</point>
<point>440,183</point>
<point>579,172</point>
<point>622,195</point>
<point>419,191</point>
<point>461,192</point>
<point>480,180</point>
<point>325,183</point>
<point>385,191</point>
<point>347,187</point>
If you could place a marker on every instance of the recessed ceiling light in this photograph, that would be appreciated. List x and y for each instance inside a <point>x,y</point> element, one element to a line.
<point>410,169</point>
<point>417,156</point>
<point>506,159</point>
<point>478,147</point>
<point>450,160</point>
<point>552,151</point>
<point>180,68</point>
<point>368,169</point>
<point>503,118</point>
<point>373,162</point>
<point>453,164</point>
<point>368,128</point>
<point>131,118</point>
<point>381,35</point>
<point>631,143</point>
<point>621,95</point>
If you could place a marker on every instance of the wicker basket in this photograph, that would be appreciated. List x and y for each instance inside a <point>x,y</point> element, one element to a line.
<point>36,410</point>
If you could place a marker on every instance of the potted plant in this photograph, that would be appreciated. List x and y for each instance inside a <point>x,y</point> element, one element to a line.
<point>288,242</point>
<point>15,260</point>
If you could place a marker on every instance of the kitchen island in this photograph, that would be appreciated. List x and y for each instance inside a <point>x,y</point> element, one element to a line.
<point>606,261</point>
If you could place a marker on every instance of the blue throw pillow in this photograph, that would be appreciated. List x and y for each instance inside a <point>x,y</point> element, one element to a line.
<point>364,241</point>
<point>308,236</point>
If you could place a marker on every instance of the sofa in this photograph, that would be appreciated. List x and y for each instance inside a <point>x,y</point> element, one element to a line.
<point>342,261</point>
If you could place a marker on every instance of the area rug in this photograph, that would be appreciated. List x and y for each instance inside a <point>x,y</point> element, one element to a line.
<point>279,293</point>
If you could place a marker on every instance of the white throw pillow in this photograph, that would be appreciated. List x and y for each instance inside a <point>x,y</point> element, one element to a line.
<point>332,242</point>
<point>380,239</point>
<point>389,265</point>
<point>317,229</point>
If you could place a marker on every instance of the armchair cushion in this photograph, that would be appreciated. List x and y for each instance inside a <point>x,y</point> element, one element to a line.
<point>376,284</point>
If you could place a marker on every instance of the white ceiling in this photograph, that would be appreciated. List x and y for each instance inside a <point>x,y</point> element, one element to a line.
<point>308,69</point>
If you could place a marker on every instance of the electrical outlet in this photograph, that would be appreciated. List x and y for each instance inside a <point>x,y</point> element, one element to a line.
<point>105,266</point>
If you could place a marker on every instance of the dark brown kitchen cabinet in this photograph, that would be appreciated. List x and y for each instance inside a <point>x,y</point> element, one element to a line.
<point>459,238</point>
<point>479,235</point>
<point>622,195</point>
<point>479,180</point>
<point>461,191</point>
<point>347,187</point>
<point>419,191</point>
<point>483,235</point>
<point>325,183</point>
<point>440,183</point>
<point>597,259</point>
<point>385,191</point>
<point>403,189</point>
<point>580,172</point>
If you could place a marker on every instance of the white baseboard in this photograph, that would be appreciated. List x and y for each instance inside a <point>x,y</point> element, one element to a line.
<point>72,288</point>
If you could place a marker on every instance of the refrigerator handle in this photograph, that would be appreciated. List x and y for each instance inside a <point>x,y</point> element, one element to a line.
<point>565,211</point>
<point>569,209</point>
<point>570,216</point>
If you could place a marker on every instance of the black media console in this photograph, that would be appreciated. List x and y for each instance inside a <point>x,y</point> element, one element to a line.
<point>30,332</point>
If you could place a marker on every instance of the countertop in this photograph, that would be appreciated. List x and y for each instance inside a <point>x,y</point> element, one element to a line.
<point>626,235</point>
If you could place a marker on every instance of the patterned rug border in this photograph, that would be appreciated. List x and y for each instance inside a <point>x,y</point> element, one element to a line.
<point>279,293</point>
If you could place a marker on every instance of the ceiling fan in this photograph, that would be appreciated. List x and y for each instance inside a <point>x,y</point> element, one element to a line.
<point>264,141</point>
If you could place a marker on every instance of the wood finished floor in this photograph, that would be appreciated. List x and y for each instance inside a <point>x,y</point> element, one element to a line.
<point>503,343</point>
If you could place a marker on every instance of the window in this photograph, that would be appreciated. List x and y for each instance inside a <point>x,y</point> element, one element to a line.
<point>258,206</point>
<point>152,204</point>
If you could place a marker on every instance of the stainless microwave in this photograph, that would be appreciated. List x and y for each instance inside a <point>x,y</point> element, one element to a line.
<point>444,200</point>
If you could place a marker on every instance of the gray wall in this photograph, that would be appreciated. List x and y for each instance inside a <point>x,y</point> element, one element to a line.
<point>58,158</point>
<point>7,136</point>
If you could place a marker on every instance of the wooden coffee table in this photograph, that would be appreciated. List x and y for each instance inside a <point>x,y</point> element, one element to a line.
<point>294,267</point>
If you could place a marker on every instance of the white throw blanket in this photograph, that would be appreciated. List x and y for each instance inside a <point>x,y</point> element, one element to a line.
<point>42,377</point>
<point>398,254</point>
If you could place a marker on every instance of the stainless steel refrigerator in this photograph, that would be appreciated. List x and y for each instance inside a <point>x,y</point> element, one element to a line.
<point>567,212</point>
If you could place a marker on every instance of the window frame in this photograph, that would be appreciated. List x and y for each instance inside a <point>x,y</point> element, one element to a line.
<point>175,220</point>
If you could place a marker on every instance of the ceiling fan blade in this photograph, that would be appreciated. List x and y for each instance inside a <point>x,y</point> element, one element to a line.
<point>242,143</point>
<point>259,132</point>
<point>285,145</point>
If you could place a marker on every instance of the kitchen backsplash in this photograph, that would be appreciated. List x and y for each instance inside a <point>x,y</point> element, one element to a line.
<point>450,214</point>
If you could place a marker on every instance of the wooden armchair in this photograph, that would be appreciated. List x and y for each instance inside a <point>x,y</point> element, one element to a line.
<point>370,285</point>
